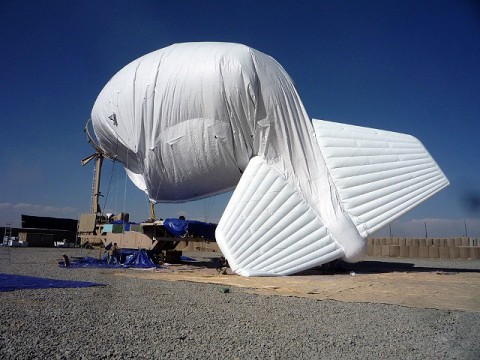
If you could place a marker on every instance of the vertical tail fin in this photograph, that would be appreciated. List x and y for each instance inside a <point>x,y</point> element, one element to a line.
<point>268,228</point>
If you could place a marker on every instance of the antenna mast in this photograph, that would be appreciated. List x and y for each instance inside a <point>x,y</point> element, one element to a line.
<point>99,155</point>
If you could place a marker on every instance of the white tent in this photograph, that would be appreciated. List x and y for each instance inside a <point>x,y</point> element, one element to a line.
<point>196,119</point>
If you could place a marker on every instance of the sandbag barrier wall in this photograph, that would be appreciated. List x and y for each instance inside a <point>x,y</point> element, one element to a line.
<point>434,248</point>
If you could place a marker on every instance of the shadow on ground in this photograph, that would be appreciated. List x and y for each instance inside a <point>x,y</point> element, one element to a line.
<point>364,267</point>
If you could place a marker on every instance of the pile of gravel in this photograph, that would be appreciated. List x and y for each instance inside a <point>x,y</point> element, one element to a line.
<point>132,318</point>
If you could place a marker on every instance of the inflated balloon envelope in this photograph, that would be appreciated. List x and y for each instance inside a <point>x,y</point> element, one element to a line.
<point>197,119</point>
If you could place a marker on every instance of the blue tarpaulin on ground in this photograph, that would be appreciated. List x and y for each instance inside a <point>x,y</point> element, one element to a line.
<point>10,282</point>
<point>87,262</point>
<point>181,228</point>
<point>139,259</point>
<point>124,258</point>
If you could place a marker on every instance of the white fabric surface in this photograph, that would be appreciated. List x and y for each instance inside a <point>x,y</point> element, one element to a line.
<point>186,121</point>
<point>379,174</point>
<point>190,116</point>
<point>268,229</point>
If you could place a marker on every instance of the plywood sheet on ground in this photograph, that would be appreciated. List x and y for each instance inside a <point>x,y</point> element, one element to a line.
<point>421,289</point>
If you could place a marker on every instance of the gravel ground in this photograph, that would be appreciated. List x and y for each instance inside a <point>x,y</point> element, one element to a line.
<point>132,318</point>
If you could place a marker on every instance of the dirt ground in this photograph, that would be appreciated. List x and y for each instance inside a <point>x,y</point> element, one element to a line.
<point>451,285</point>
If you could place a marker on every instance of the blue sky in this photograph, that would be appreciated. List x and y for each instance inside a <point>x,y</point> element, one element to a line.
<point>406,66</point>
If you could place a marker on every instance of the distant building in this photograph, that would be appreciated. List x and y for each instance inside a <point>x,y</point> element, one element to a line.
<point>40,222</point>
<point>44,231</point>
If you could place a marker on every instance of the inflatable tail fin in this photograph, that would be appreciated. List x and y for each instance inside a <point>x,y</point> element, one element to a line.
<point>268,228</point>
<point>379,175</point>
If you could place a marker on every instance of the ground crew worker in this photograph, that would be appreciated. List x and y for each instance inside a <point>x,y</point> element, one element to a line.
<point>112,254</point>
<point>222,266</point>
<point>66,260</point>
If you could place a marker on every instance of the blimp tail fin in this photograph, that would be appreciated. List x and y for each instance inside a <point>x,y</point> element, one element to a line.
<point>268,229</point>
<point>379,174</point>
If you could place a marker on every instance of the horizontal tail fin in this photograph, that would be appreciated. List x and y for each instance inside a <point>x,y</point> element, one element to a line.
<point>379,175</point>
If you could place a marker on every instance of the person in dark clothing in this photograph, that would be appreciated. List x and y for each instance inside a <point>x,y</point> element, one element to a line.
<point>66,260</point>
<point>222,266</point>
<point>112,254</point>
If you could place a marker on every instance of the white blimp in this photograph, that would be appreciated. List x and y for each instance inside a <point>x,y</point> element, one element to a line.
<point>197,119</point>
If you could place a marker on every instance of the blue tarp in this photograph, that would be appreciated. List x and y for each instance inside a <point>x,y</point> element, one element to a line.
<point>90,262</point>
<point>10,282</point>
<point>139,259</point>
<point>125,258</point>
<point>181,228</point>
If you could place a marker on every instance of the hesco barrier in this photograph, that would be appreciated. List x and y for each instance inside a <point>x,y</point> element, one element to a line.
<point>399,247</point>
<point>434,248</point>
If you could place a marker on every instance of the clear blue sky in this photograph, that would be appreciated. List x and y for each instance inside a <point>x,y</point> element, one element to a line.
<point>406,66</point>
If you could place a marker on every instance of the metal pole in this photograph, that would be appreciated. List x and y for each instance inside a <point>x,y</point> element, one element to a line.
<point>96,184</point>
<point>390,226</point>
<point>152,210</point>
<point>466,232</point>
<point>426,233</point>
